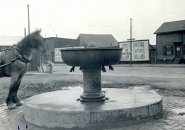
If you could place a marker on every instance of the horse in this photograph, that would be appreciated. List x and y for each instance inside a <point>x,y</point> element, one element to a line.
<point>14,63</point>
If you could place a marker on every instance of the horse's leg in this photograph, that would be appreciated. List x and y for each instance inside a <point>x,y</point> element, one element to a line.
<point>15,99</point>
<point>13,86</point>
<point>17,72</point>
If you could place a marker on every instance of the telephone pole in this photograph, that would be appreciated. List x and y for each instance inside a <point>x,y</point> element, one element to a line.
<point>28,19</point>
<point>131,40</point>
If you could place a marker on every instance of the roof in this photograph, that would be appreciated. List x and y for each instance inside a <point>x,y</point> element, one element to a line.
<point>167,27</point>
<point>61,42</point>
<point>97,40</point>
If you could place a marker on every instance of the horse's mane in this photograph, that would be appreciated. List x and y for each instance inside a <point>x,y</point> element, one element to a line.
<point>26,41</point>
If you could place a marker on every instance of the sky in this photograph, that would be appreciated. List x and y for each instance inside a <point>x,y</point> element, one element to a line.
<point>69,18</point>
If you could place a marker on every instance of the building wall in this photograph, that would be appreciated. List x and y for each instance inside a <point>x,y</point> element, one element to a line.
<point>183,42</point>
<point>164,39</point>
<point>35,62</point>
<point>183,37</point>
<point>152,56</point>
<point>54,42</point>
<point>50,46</point>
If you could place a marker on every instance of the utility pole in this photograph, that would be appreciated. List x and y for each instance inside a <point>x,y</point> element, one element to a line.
<point>131,40</point>
<point>28,19</point>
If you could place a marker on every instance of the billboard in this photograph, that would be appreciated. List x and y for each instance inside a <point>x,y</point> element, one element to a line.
<point>140,50</point>
<point>58,57</point>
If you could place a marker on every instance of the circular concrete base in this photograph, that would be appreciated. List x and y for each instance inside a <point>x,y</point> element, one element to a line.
<point>61,109</point>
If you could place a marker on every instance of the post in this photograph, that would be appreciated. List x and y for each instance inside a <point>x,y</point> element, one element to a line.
<point>92,85</point>
<point>131,42</point>
<point>24,32</point>
<point>28,19</point>
<point>31,64</point>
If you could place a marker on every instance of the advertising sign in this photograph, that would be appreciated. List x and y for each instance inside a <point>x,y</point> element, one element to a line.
<point>140,50</point>
<point>58,57</point>
<point>125,52</point>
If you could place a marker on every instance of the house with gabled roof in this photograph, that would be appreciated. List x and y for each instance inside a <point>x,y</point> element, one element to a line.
<point>170,42</point>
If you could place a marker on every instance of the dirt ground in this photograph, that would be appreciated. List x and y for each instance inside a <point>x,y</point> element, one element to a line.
<point>167,80</point>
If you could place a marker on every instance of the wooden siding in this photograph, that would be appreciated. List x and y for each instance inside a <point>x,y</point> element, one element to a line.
<point>164,39</point>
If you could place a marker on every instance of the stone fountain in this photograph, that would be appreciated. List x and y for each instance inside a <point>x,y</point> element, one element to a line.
<point>90,107</point>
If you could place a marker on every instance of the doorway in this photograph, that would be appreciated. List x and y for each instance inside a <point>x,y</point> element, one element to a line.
<point>178,50</point>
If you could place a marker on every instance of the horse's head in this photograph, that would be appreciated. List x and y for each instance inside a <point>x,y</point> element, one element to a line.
<point>36,41</point>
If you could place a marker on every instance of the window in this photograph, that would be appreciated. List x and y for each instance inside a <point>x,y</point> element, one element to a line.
<point>168,49</point>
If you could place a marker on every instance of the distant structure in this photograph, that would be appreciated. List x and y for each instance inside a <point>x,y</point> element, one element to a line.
<point>53,46</point>
<point>6,42</point>
<point>97,40</point>
<point>9,40</point>
<point>170,42</point>
<point>143,52</point>
<point>3,47</point>
<point>152,54</point>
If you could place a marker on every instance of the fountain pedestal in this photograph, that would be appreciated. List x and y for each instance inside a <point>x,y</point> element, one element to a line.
<point>92,85</point>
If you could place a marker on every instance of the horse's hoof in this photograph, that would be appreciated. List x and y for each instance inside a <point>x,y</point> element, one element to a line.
<point>11,106</point>
<point>19,103</point>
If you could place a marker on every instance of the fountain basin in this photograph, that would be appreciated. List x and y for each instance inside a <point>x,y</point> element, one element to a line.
<point>59,110</point>
<point>90,57</point>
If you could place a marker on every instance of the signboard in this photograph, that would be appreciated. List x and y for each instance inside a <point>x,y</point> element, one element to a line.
<point>58,57</point>
<point>125,52</point>
<point>140,50</point>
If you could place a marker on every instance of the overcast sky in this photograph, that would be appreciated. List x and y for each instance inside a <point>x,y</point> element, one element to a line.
<point>69,18</point>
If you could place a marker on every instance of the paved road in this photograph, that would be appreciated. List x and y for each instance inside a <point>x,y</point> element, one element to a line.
<point>168,81</point>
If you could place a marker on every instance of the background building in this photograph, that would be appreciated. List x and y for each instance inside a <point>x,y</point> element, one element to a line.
<point>170,42</point>
<point>55,44</point>
<point>4,47</point>
<point>152,54</point>
<point>7,41</point>
<point>97,40</point>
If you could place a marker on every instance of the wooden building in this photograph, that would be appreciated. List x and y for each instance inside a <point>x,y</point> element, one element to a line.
<point>97,40</point>
<point>170,42</point>
<point>55,42</point>
<point>152,54</point>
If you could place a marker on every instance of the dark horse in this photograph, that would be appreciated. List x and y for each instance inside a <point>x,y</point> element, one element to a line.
<point>14,63</point>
